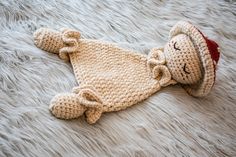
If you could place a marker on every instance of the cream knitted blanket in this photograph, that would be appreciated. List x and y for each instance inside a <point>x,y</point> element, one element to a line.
<point>110,78</point>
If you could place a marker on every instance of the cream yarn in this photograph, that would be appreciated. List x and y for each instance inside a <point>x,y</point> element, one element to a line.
<point>112,78</point>
<point>54,42</point>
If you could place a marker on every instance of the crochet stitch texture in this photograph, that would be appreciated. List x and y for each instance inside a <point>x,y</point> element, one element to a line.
<point>111,78</point>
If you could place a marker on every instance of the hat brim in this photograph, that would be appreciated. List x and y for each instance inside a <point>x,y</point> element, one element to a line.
<point>203,86</point>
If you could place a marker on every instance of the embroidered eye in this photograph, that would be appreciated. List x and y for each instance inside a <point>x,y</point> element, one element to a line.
<point>176,48</point>
<point>185,70</point>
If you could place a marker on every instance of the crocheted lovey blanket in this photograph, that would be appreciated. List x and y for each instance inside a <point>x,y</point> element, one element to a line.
<point>111,78</point>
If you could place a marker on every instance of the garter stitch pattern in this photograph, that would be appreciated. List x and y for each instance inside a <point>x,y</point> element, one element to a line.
<point>111,78</point>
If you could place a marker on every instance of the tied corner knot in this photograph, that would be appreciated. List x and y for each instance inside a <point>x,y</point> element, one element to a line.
<point>88,97</point>
<point>157,65</point>
<point>82,100</point>
<point>156,57</point>
<point>70,39</point>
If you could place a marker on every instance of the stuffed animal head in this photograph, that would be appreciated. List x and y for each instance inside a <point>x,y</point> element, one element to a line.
<point>191,58</point>
<point>182,60</point>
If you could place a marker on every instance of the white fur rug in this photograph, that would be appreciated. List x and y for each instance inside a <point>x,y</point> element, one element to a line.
<point>170,123</point>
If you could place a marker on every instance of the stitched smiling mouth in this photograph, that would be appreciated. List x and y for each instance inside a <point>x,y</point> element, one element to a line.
<point>185,70</point>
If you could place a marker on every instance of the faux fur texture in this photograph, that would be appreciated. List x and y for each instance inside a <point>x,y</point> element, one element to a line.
<point>170,123</point>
